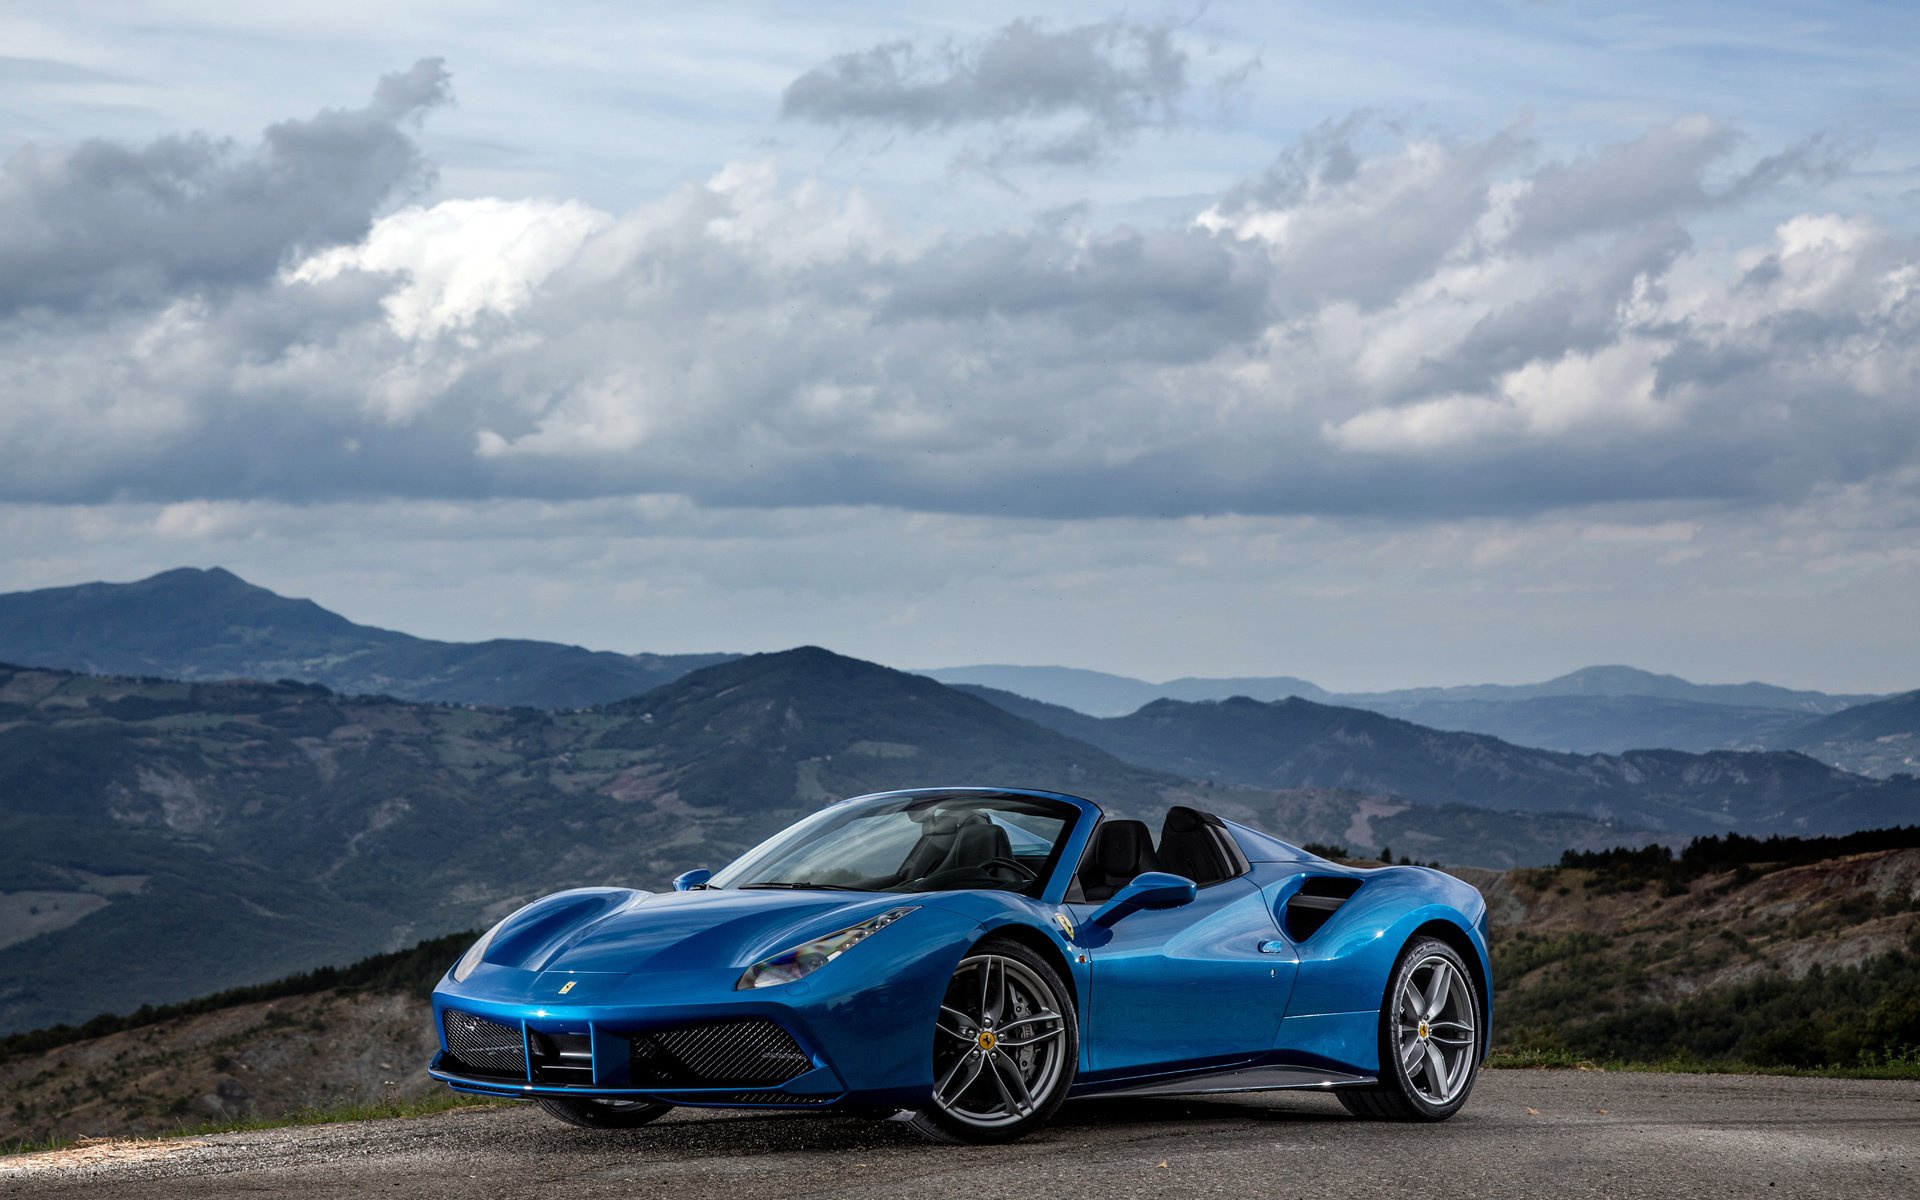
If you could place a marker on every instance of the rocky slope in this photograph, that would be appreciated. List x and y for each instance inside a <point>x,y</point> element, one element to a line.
<point>263,1059</point>
<point>1798,966</point>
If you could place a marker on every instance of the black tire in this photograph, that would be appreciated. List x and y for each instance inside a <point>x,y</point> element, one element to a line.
<point>1044,1077</point>
<point>602,1114</point>
<point>1407,1093</point>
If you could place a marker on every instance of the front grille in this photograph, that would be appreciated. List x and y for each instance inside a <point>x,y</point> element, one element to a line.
<point>485,1047</point>
<point>771,1098</point>
<point>747,1053</point>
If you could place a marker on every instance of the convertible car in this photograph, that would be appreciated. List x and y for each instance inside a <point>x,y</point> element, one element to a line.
<point>967,959</point>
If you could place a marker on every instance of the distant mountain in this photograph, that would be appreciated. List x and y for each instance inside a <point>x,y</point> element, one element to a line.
<point>1099,694</point>
<point>1103,695</point>
<point>1599,724</point>
<point>1299,744</point>
<point>1596,710</point>
<point>197,836</point>
<point>211,624</point>
<point>1880,739</point>
<point>1256,687</point>
<point>1620,681</point>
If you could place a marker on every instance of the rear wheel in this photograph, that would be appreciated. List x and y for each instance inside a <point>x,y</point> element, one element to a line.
<point>601,1114</point>
<point>1429,1039</point>
<point>1006,1046</point>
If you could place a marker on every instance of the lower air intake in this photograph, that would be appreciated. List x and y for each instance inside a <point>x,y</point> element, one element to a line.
<point>749,1053</point>
<point>485,1047</point>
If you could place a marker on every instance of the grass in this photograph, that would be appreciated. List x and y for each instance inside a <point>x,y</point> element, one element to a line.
<point>384,1109</point>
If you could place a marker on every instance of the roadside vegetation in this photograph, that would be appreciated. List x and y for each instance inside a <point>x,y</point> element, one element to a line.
<point>1860,1022</point>
<point>1711,959</point>
<point>1624,869</point>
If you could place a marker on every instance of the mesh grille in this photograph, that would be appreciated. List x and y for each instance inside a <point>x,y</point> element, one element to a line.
<point>485,1047</point>
<point>774,1098</point>
<point>750,1052</point>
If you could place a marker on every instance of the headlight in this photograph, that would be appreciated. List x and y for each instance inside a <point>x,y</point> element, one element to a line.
<point>808,957</point>
<point>478,951</point>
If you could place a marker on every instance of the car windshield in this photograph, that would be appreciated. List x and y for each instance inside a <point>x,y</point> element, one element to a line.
<point>913,844</point>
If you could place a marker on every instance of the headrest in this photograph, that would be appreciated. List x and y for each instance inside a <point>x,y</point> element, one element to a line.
<point>947,820</point>
<point>1181,819</point>
<point>1124,845</point>
<point>984,839</point>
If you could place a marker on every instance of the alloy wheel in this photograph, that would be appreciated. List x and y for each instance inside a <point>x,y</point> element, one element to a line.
<point>1000,1044</point>
<point>1433,1027</point>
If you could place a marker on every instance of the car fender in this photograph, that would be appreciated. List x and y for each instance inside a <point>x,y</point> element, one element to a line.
<point>1032,921</point>
<point>1344,966</point>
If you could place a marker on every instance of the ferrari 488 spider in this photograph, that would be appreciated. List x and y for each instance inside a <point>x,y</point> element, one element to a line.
<point>969,958</point>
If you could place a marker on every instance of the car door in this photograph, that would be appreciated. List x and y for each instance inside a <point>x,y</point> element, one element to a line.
<point>1202,984</point>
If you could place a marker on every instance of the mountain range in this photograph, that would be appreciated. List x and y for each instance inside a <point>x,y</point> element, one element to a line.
<point>1881,738</point>
<point>1295,743</point>
<point>1595,710</point>
<point>211,624</point>
<point>197,836</point>
<point>215,829</point>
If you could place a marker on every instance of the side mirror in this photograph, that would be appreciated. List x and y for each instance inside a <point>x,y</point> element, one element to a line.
<point>692,881</point>
<point>1149,889</point>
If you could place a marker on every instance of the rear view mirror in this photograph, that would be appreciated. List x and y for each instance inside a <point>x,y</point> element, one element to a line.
<point>1149,889</point>
<point>692,881</point>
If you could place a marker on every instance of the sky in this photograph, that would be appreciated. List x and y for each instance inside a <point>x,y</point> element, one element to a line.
<point>1376,344</point>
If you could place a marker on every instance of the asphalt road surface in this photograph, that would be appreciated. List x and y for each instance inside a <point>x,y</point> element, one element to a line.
<point>1529,1134</point>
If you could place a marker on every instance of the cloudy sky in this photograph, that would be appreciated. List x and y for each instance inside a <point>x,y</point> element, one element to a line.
<point>1376,344</point>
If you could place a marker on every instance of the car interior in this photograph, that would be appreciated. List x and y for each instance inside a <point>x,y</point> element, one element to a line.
<point>1191,843</point>
<point>952,842</point>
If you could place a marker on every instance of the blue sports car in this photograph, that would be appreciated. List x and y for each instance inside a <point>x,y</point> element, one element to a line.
<point>970,958</point>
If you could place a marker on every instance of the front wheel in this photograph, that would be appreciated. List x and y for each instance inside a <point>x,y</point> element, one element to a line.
<point>1429,1039</point>
<point>602,1114</point>
<point>1006,1046</point>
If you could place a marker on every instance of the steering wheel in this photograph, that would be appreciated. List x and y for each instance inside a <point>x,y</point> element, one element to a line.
<point>1021,872</point>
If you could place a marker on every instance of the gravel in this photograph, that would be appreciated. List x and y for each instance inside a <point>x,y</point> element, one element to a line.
<point>1523,1134</point>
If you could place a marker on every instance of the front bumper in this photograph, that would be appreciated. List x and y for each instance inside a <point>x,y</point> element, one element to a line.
<point>685,1058</point>
<point>858,1031</point>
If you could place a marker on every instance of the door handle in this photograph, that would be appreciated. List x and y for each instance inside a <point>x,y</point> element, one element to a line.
<point>1273,946</point>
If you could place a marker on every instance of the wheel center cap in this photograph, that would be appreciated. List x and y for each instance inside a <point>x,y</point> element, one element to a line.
<point>1425,1029</point>
<point>987,1040</point>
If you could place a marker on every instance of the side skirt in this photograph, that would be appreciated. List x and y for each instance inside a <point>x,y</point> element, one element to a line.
<point>1242,1079</point>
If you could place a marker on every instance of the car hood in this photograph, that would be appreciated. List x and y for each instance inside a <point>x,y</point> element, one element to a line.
<point>685,931</point>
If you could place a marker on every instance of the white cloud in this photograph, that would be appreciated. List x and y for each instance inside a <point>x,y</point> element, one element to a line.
<point>1377,323</point>
<point>462,258</point>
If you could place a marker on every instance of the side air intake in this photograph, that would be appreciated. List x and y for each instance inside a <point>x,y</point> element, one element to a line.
<point>1316,901</point>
